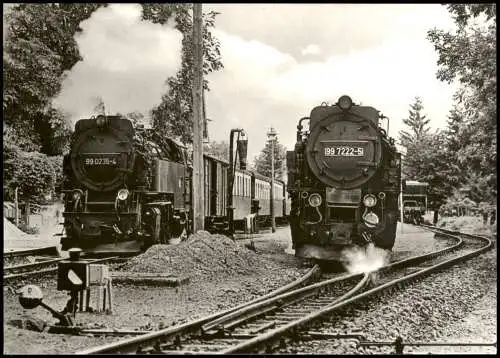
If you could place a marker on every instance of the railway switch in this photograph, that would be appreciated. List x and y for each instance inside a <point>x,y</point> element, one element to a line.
<point>31,296</point>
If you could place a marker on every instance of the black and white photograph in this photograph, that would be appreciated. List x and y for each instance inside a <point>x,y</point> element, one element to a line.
<point>257,179</point>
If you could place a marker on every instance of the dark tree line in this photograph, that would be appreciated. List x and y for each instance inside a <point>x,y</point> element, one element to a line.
<point>461,158</point>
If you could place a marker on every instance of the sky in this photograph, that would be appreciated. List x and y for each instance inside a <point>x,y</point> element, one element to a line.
<point>280,60</point>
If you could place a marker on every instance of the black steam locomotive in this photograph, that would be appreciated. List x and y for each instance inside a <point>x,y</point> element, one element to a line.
<point>125,192</point>
<point>344,182</point>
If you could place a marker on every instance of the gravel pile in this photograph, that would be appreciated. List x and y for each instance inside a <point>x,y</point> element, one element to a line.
<point>427,311</point>
<point>201,256</point>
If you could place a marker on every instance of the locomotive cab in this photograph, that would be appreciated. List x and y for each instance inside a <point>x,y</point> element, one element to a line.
<point>344,177</point>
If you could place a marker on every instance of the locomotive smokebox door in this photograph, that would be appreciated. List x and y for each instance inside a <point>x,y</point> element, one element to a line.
<point>73,274</point>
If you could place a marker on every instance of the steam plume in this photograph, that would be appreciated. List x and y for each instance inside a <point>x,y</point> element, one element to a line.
<point>364,259</point>
<point>125,63</point>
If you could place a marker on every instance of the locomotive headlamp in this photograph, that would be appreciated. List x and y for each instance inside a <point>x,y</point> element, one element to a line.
<point>345,102</point>
<point>122,194</point>
<point>315,200</point>
<point>371,219</point>
<point>369,200</point>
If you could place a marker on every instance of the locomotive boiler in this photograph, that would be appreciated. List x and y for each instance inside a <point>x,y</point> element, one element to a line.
<point>344,181</point>
<point>117,194</point>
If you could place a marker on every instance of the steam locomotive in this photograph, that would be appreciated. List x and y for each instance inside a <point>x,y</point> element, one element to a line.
<point>344,181</point>
<point>125,192</point>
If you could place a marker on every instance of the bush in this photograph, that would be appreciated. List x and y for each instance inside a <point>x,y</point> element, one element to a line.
<point>34,173</point>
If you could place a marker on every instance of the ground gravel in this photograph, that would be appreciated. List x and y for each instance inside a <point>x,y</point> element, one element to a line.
<point>223,274</point>
<point>458,304</point>
<point>214,286</point>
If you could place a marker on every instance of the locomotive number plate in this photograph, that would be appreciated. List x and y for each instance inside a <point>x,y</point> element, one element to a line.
<point>100,161</point>
<point>344,151</point>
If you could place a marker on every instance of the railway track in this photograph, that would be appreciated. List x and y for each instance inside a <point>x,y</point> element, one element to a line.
<point>41,268</point>
<point>49,250</point>
<point>268,324</point>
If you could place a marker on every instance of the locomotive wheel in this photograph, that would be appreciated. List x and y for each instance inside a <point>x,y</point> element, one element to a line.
<point>387,237</point>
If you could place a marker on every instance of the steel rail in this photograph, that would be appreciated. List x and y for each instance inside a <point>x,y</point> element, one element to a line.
<point>131,345</point>
<point>9,269</point>
<point>29,252</point>
<point>271,336</point>
<point>41,264</point>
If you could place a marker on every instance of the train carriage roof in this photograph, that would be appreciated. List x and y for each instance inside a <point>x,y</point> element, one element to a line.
<point>249,172</point>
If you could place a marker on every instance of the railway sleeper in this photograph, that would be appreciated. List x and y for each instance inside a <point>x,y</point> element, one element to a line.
<point>216,329</point>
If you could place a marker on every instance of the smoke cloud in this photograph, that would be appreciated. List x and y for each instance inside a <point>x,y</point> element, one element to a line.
<point>364,259</point>
<point>126,62</point>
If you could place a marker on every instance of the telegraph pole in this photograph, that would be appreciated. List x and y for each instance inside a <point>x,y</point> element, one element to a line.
<point>401,196</point>
<point>272,135</point>
<point>198,122</point>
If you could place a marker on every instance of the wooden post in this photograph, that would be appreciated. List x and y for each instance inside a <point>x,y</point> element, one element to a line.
<point>272,136</point>
<point>16,208</point>
<point>273,220</point>
<point>27,213</point>
<point>198,122</point>
<point>401,202</point>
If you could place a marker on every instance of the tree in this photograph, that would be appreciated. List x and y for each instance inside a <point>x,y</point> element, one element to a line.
<point>262,163</point>
<point>419,125</point>
<point>217,149</point>
<point>427,155</point>
<point>468,56</point>
<point>39,47</point>
<point>173,116</point>
<point>454,140</point>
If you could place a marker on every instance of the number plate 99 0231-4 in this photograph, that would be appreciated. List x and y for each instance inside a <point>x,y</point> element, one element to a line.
<point>344,151</point>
